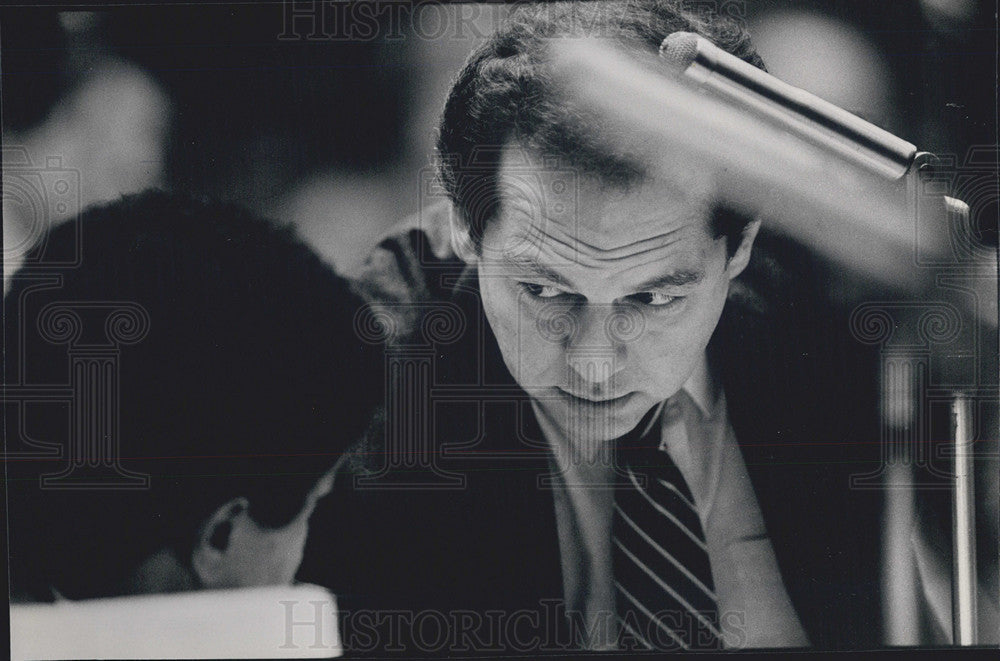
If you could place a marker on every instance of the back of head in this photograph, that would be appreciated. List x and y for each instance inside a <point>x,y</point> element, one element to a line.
<point>248,382</point>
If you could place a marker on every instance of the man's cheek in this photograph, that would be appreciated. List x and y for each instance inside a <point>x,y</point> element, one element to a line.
<point>665,356</point>
<point>515,332</point>
<point>535,351</point>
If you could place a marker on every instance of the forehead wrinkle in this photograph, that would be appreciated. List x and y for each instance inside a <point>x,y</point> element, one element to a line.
<point>685,260</point>
<point>638,247</point>
<point>525,263</point>
<point>554,229</point>
<point>648,254</point>
<point>532,240</point>
<point>519,204</point>
<point>539,225</point>
<point>596,254</point>
<point>630,280</point>
<point>684,274</point>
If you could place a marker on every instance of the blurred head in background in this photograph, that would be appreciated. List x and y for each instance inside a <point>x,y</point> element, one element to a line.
<point>602,283</point>
<point>236,403</point>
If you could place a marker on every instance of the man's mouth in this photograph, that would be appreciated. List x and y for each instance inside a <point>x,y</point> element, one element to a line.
<point>590,399</point>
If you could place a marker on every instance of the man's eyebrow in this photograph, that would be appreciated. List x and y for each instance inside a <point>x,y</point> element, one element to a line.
<point>539,270</point>
<point>675,279</point>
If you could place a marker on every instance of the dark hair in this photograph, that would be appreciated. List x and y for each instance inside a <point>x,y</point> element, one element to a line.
<point>250,382</point>
<point>502,94</point>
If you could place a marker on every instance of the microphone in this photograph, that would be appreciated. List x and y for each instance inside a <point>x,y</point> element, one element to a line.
<point>806,115</point>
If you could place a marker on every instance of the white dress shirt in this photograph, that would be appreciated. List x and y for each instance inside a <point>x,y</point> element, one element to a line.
<point>754,608</point>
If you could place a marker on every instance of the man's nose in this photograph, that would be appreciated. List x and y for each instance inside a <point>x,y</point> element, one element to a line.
<point>593,369</point>
<point>596,350</point>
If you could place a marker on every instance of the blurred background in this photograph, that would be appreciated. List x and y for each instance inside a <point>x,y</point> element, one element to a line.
<point>323,115</point>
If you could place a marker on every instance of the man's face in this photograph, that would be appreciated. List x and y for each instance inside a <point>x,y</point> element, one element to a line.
<point>602,312</point>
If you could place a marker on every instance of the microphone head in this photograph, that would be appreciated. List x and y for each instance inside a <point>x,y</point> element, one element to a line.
<point>679,49</point>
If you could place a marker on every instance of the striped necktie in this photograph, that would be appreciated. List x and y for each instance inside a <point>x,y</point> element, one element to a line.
<point>662,577</point>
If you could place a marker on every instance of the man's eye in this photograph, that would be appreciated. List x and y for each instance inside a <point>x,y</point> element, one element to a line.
<point>541,291</point>
<point>654,299</point>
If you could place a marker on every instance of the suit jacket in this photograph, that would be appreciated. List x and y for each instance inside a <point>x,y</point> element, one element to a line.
<point>802,398</point>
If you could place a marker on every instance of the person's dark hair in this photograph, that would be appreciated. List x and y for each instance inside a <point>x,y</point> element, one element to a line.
<point>502,95</point>
<point>250,382</point>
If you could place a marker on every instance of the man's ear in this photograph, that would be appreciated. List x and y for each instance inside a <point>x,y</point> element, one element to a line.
<point>210,559</point>
<point>741,257</point>
<point>461,238</point>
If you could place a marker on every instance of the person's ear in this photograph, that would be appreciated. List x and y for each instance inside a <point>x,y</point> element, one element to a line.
<point>461,237</point>
<point>741,257</point>
<point>211,557</point>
